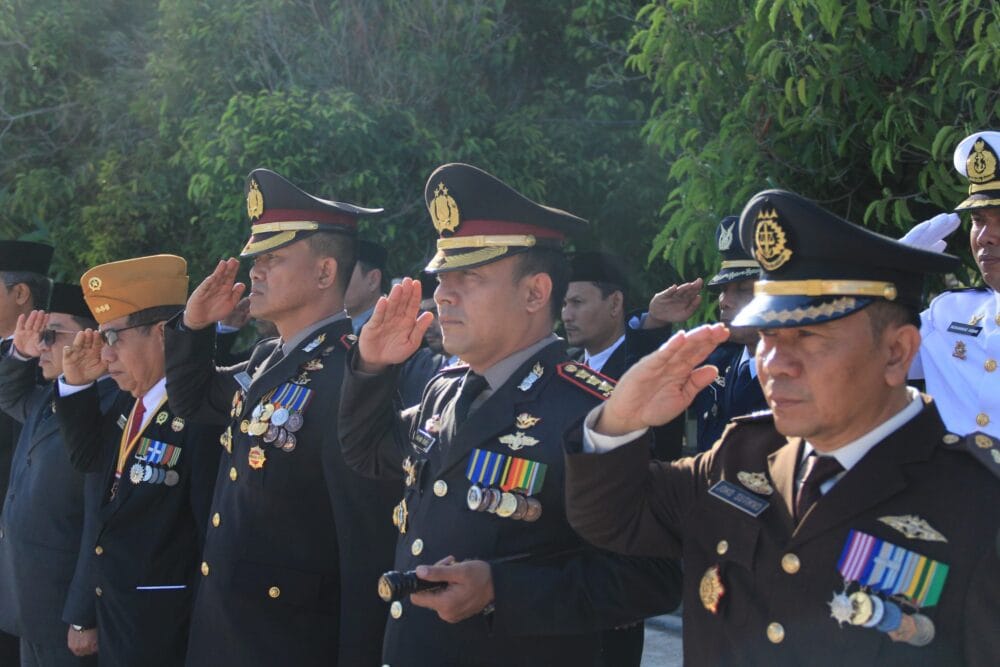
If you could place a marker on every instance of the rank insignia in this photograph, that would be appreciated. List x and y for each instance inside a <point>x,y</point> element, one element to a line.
<point>756,482</point>
<point>400,516</point>
<point>525,421</point>
<point>347,340</point>
<point>161,419</point>
<point>913,527</point>
<point>257,457</point>
<point>122,420</point>
<point>313,365</point>
<point>711,590</point>
<point>959,351</point>
<point>518,440</point>
<point>587,379</point>
<point>177,424</point>
<point>314,343</point>
<point>531,378</point>
<point>976,319</point>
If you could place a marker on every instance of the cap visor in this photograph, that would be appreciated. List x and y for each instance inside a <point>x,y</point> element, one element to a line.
<point>771,312</point>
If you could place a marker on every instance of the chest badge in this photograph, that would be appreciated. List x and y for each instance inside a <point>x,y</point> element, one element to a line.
<point>531,378</point>
<point>756,482</point>
<point>913,527</point>
<point>959,351</point>
<point>161,419</point>
<point>257,457</point>
<point>518,440</point>
<point>314,343</point>
<point>526,421</point>
<point>976,319</point>
<point>711,589</point>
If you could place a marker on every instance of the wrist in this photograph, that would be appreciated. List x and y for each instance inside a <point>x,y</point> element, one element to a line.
<point>193,325</point>
<point>610,424</point>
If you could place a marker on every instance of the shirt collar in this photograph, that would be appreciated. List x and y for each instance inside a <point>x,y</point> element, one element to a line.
<point>296,340</point>
<point>598,360</point>
<point>359,320</point>
<point>849,455</point>
<point>746,356</point>
<point>497,374</point>
<point>151,399</point>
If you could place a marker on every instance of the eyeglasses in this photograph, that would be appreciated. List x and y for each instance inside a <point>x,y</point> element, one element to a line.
<point>49,335</point>
<point>111,336</point>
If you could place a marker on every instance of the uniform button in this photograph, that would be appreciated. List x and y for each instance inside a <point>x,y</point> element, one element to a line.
<point>396,610</point>
<point>775,633</point>
<point>440,488</point>
<point>98,550</point>
<point>232,474</point>
<point>274,592</point>
<point>216,519</point>
<point>98,591</point>
<point>204,568</point>
<point>990,365</point>
<point>722,547</point>
<point>982,419</point>
<point>790,563</point>
<point>417,547</point>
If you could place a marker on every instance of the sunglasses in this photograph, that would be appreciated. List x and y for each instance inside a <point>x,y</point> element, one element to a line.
<point>111,336</point>
<point>49,335</point>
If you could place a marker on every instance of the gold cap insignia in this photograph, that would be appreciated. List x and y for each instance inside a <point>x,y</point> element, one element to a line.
<point>95,284</point>
<point>756,482</point>
<point>726,238</point>
<point>711,590</point>
<point>981,166</point>
<point>913,527</point>
<point>525,420</point>
<point>770,241</point>
<point>255,201</point>
<point>443,210</point>
<point>518,440</point>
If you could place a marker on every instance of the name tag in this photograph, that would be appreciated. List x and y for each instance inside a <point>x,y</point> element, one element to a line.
<point>422,440</point>
<point>964,329</point>
<point>742,500</point>
<point>122,420</point>
<point>243,380</point>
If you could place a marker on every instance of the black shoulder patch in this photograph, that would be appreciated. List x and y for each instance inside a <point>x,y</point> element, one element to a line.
<point>982,447</point>
<point>586,378</point>
<point>759,416</point>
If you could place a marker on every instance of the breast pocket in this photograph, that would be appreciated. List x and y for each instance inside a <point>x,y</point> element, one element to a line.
<point>725,580</point>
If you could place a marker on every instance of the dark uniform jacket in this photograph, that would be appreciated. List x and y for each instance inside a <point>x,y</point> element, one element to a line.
<point>779,579</point>
<point>731,395</point>
<point>149,535</point>
<point>297,540</point>
<point>548,611</point>
<point>46,580</point>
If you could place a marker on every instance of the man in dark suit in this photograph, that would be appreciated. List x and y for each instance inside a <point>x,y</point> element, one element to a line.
<point>490,486</point>
<point>23,266</point>
<point>47,596</point>
<point>156,472</point>
<point>369,281</point>
<point>825,531</point>
<point>297,540</point>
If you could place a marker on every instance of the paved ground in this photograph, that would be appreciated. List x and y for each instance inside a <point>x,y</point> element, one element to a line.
<point>663,642</point>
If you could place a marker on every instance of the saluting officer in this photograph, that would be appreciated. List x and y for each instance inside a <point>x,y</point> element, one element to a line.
<point>156,472</point>
<point>481,454</point>
<point>297,540</point>
<point>825,531</point>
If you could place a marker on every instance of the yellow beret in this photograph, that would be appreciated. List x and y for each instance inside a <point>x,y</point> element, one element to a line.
<point>121,288</point>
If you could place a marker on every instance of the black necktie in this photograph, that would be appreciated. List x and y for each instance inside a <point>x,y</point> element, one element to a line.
<point>473,385</point>
<point>818,470</point>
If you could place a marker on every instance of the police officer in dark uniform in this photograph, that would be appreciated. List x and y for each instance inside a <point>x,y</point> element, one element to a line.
<point>846,527</point>
<point>156,473</point>
<point>297,540</point>
<point>49,523</point>
<point>480,456</point>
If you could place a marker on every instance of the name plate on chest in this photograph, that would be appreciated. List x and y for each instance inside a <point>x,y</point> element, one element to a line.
<point>964,329</point>
<point>739,498</point>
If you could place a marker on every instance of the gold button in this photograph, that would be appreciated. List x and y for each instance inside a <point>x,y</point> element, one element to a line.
<point>99,591</point>
<point>204,568</point>
<point>722,547</point>
<point>950,438</point>
<point>790,563</point>
<point>98,550</point>
<point>232,474</point>
<point>990,365</point>
<point>396,610</point>
<point>440,488</point>
<point>216,519</point>
<point>274,592</point>
<point>982,419</point>
<point>417,547</point>
<point>775,633</point>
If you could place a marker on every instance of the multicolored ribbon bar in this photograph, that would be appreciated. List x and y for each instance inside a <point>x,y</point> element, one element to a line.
<point>154,451</point>
<point>292,397</point>
<point>891,569</point>
<point>510,473</point>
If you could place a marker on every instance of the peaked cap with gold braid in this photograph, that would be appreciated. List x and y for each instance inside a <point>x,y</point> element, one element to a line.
<point>976,158</point>
<point>817,267</point>
<point>280,213</point>
<point>480,219</point>
<point>737,265</point>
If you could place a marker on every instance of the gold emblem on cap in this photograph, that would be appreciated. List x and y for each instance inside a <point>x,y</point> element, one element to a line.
<point>443,210</point>
<point>95,284</point>
<point>913,527</point>
<point>255,201</point>
<point>981,166</point>
<point>770,241</point>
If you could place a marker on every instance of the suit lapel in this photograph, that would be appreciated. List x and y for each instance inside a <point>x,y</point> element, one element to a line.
<point>782,464</point>
<point>287,368</point>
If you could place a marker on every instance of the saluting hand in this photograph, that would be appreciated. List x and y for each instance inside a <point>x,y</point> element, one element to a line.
<point>674,304</point>
<point>28,332</point>
<point>663,383</point>
<point>82,363</point>
<point>469,589</point>
<point>395,329</point>
<point>216,297</point>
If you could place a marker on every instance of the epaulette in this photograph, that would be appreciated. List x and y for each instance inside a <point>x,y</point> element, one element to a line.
<point>348,341</point>
<point>758,416</point>
<point>975,288</point>
<point>586,378</point>
<point>982,447</point>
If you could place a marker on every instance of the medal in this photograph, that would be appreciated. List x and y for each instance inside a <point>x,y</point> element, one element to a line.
<point>841,609</point>
<point>295,421</point>
<point>711,590</point>
<point>256,457</point>
<point>135,473</point>
<point>177,424</point>
<point>507,506</point>
<point>289,442</point>
<point>534,511</point>
<point>522,507</point>
<point>878,611</point>
<point>474,498</point>
<point>171,478</point>
<point>267,411</point>
<point>258,428</point>
<point>279,417</point>
<point>862,608</point>
<point>493,497</point>
<point>271,434</point>
<point>244,426</point>
<point>147,473</point>
<point>258,410</point>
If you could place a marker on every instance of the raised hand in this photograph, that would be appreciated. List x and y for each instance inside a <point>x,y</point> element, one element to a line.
<point>395,329</point>
<point>674,304</point>
<point>931,234</point>
<point>28,332</point>
<point>216,297</point>
<point>663,383</point>
<point>82,363</point>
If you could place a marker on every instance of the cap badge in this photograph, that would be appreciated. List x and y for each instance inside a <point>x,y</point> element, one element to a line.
<point>255,201</point>
<point>444,210</point>
<point>770,241</point>
<point>95,284</point>
<point>726,238</point>
<point>982,163</point>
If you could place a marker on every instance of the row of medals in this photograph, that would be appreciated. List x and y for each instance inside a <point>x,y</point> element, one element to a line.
<point>274,425</point>
<point>504,504</point>
<point>146,473</point>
